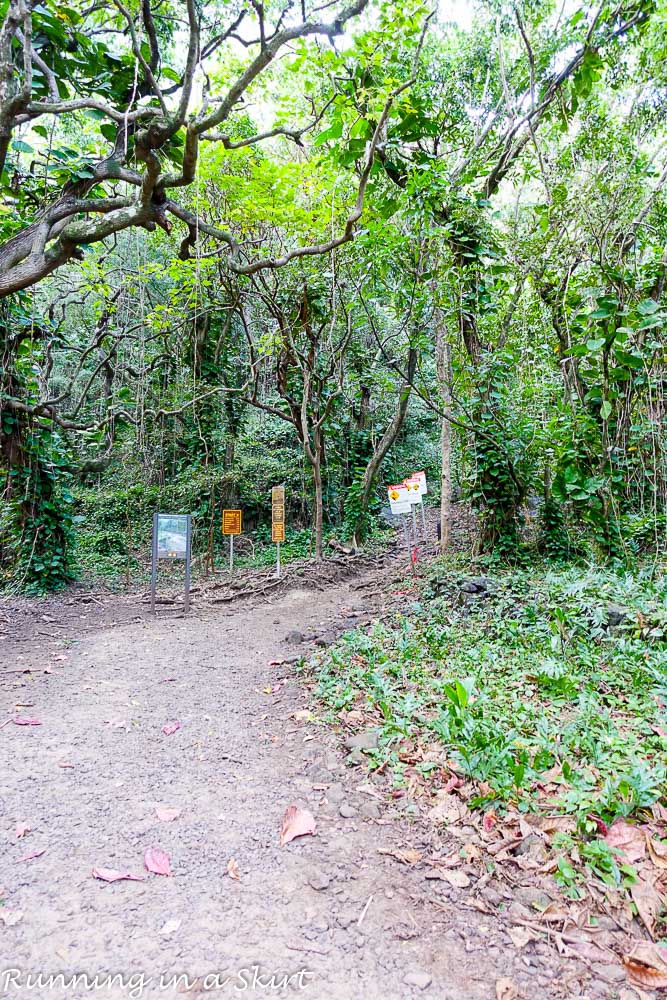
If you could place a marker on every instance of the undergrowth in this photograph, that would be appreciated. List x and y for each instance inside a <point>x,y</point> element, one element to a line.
<point>528,684</point>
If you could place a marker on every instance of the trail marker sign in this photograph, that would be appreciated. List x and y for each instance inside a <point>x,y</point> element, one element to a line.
<point>278,521</point>
<point>232,522</point>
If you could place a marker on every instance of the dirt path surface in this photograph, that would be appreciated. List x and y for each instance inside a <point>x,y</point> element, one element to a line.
<point>330,911</point>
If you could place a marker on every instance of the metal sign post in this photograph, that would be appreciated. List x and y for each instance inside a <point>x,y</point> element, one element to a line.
<point>278,521</point>
<point>154,565</point>
<point>172,539</point>
<point>232,524</point>
<point>188,537</point>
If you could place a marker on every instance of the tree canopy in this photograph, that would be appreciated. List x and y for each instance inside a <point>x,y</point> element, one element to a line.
<point>357,234</point>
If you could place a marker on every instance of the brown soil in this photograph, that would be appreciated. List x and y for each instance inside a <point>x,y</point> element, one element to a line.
<point>104,679</point>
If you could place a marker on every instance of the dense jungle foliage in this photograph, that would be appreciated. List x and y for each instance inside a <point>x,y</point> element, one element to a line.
<point>244,244</point>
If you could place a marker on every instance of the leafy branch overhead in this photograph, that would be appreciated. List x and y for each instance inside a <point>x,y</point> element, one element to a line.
<point>156,82</point>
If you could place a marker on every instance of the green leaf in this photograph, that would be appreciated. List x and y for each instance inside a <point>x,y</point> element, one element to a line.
<point>605,410</point>
<point>647,307</point>
<point>335,131</point>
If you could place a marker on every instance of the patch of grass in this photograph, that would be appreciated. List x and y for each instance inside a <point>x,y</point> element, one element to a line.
<point>530,690</point>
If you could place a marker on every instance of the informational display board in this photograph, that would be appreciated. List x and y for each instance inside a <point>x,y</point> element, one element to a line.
<point>172,535</point>
<point>232,522</point>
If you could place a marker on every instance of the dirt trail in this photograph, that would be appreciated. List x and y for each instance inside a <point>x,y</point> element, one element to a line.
<point>352,921</point>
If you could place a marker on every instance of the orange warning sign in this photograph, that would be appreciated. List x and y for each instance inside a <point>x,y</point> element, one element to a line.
<point>231,522</point>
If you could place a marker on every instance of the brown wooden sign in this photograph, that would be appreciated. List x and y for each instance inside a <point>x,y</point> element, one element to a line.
<point>232,522</point>
<point>278,517</point>
<point>278,531</point>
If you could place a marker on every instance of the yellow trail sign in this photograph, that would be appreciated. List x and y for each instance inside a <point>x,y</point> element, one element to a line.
<point>232,521</point>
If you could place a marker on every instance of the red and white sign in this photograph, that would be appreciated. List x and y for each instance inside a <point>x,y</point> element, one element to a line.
<point>399,498</point>
<point>421,477</point>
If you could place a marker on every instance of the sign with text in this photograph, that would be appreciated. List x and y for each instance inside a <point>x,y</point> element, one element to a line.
<point>415,488</point>
<point>232,522</point>
<point>399,498</point>
<point>421,476</point>
<point>278,514</point>
<point>278,531</point>
<point>172,534</point>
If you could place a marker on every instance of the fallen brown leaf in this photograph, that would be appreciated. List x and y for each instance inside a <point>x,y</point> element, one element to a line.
<point>657,851</point>
<point>157,861</point>
<point>646,965</point>
<point>31,857</point>
<point>296,823</point>
<point>407,857</point>
<point>112,875</point>
<point>457,879</point>
<point>629,839</point>
<point>521,936</point>
<point>649,903</point>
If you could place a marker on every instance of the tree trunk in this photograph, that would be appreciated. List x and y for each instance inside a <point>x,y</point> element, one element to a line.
<point>385,443</point>
<point>318,519</point>
<point>443,361</point>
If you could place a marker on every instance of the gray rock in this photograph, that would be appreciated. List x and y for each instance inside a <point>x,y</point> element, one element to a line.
<point>615,973</point>
<point>319,774</point>
<point>355,758</point>
<point>422,980</point>
<point>371,810</point>
<point>294,637</point>
<point>347,811</point>
<point>335,793</point>
<point>319,882</point>
<point>531,895</point>
<point>363,741</point>
<point>616,615</point>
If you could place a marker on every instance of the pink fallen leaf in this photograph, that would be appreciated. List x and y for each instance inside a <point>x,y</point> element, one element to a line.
<point>166,815</point>
<point>276,663</point>
<point>60,658</point>
<point>630,840</point>
<point>157,861</point>
<point>233,869</point>
<point>171,727</point>
<point>22,829</point>
<point>64,763</point>
<point>23,720</point>
<point>48,670</point>
<point>296,823</point>
<point>490,820</point>
<point>31,857</point>
<point>659,731</point>
<point>113,875</point>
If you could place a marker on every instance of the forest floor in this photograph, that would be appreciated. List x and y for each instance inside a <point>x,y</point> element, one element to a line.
<point>344,913</point>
